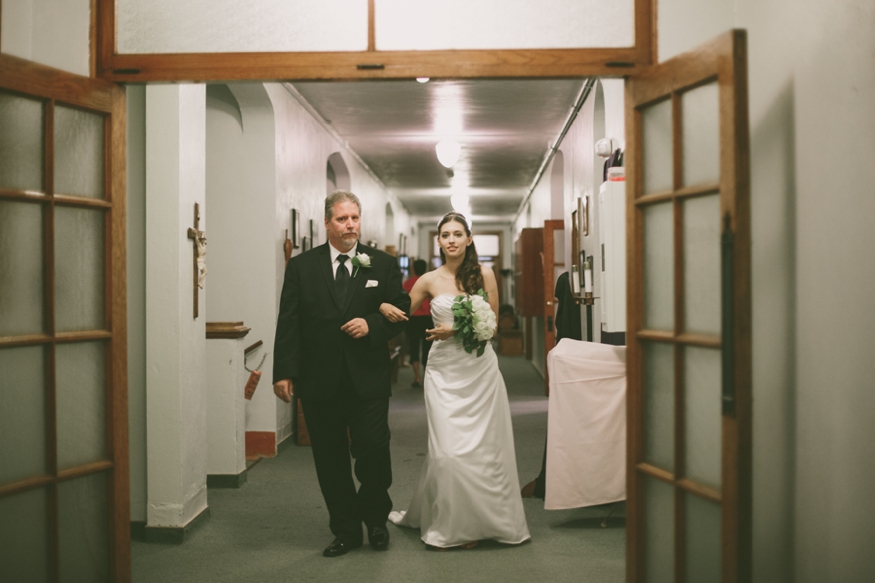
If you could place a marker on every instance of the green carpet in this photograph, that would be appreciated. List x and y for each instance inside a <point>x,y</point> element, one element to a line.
<point>274,528</point>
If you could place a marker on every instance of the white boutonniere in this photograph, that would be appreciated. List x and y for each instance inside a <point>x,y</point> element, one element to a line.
<point>360,260</point>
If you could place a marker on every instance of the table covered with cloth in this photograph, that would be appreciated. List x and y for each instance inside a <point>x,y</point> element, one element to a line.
<point>586,425</point>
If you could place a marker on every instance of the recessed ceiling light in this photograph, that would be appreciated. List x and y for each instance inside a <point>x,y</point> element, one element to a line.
<point>422,79</point>
<point>448,151</point>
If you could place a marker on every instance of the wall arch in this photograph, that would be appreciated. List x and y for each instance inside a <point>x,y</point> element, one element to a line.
<point>337,174</point>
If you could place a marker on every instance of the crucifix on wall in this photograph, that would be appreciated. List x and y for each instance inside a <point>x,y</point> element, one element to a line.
<point>200,255</point>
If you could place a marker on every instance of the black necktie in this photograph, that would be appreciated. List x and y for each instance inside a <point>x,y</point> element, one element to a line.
<point>341,278</point>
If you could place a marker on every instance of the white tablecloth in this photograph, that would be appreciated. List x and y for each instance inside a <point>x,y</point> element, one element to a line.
<point>586,426</point>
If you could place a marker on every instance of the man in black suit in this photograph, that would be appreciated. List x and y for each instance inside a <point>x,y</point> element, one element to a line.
<point>331,350</point>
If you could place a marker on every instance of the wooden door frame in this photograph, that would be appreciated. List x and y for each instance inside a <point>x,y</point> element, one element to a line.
<point>370,64</point>
<point>724,59</point>
<point>548,258</point>
<point>51,85</point>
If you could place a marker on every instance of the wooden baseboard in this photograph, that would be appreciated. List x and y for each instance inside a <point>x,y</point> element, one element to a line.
<point>175,535</point>
<point>260,444</point>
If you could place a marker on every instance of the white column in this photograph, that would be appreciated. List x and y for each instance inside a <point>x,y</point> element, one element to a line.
<point>175,342</point>
<point>226,407</point>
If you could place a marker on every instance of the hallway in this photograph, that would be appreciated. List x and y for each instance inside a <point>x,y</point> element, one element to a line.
<point>273,529</point>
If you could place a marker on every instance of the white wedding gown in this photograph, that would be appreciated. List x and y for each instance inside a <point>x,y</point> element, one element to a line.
<point>468,489</point>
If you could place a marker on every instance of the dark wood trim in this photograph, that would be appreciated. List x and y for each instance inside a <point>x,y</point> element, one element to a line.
<point>28,340</point>
<point>699,490</point>
<point>25,485</point>
<point>82,201</point>
<point>84,470</point>
<point>226,330</point>
<point>45,82</point>
<point>461,64</point>
<point>684,192</point>
<point>703,340</point>
<point>372,42</point>
<point>24,195</point>
<point>93,38</point>
<point>83,336</point>
<point>655,472</point>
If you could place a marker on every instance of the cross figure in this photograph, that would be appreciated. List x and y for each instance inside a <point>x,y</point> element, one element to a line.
<point>200,255</point>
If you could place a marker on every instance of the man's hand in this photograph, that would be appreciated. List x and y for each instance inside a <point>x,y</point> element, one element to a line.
<point>357,328</point>
<point>284,390</point>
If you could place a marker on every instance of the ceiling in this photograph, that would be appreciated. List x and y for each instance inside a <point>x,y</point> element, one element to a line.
<point>505,128</point>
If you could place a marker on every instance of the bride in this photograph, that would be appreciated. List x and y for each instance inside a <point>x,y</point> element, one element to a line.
<point>468,489</point>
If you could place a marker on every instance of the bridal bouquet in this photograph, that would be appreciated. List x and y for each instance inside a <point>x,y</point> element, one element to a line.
<point>473,321</point>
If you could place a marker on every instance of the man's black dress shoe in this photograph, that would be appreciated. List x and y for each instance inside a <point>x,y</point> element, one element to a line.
<point>340,547</point>
<point>378,536</point>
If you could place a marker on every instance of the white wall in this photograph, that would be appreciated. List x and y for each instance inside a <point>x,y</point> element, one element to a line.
<point>812,77</point>
<point>50,32</point>
<point>175,340</point>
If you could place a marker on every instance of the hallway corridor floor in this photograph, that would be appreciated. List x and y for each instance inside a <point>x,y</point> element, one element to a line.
<point>274,528</point>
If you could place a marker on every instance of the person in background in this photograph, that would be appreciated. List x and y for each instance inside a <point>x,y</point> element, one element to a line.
<point>420,321</point>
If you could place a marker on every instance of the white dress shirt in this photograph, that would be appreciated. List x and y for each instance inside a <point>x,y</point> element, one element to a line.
<point>335,262</point>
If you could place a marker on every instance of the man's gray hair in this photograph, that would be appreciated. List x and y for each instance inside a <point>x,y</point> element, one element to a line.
<point>339,196</point>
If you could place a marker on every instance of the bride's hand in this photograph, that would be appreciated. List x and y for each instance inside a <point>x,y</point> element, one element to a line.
<point>392,313</point>
<point>440,332</point>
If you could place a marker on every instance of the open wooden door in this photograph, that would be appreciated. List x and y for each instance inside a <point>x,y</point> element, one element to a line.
<point>553,263</point>
<point>64,493</point>
<point>689,318</point>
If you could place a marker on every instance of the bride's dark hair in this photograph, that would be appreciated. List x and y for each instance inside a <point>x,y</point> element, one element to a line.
<point>468,277</point>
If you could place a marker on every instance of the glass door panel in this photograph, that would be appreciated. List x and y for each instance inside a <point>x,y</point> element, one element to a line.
<point>79,269</point>
<point>24,537</point>
<point>659,266</point>
<point>83,519</point>
<point>81,398</point>
<point>701,540</point>
<point>656,134</point>
<point>701,135</point>
<point>659,383</point>
<point>659,531</point>
<point>702,420</point>
<point>79,152</point>
<point>22,139</point>
<point>22,414</point>
<point>701,257</point>
<point>22,273</point>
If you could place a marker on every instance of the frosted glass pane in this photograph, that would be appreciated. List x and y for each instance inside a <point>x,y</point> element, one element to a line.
<point>702,540</point>
<point>22,413</point>
<point>659,404</point>
<point>658,531</point>
<point>702,415</point>
<point>701,135</point>
<point>24,553</point>
<point>402,25</point>
<point>83,521</point>
<point>170,26</point>
<point>79,269</point>
<point>659,267</point>
<point>702,264</point>
<point>81,398</point>
<point>22,269</point>
<point>657,147</point>
<point>22,134</point>
<point>78,152</point>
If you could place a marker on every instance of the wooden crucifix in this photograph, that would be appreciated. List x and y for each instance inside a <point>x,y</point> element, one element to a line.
<point>200,255</point>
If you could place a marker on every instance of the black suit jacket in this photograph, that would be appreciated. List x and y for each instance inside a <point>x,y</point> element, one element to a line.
<point>310,347</point>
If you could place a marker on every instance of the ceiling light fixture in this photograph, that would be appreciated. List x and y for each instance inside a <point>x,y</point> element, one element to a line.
<point>460,202</point>
<point>422,79</point>
<point>448,151</point>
